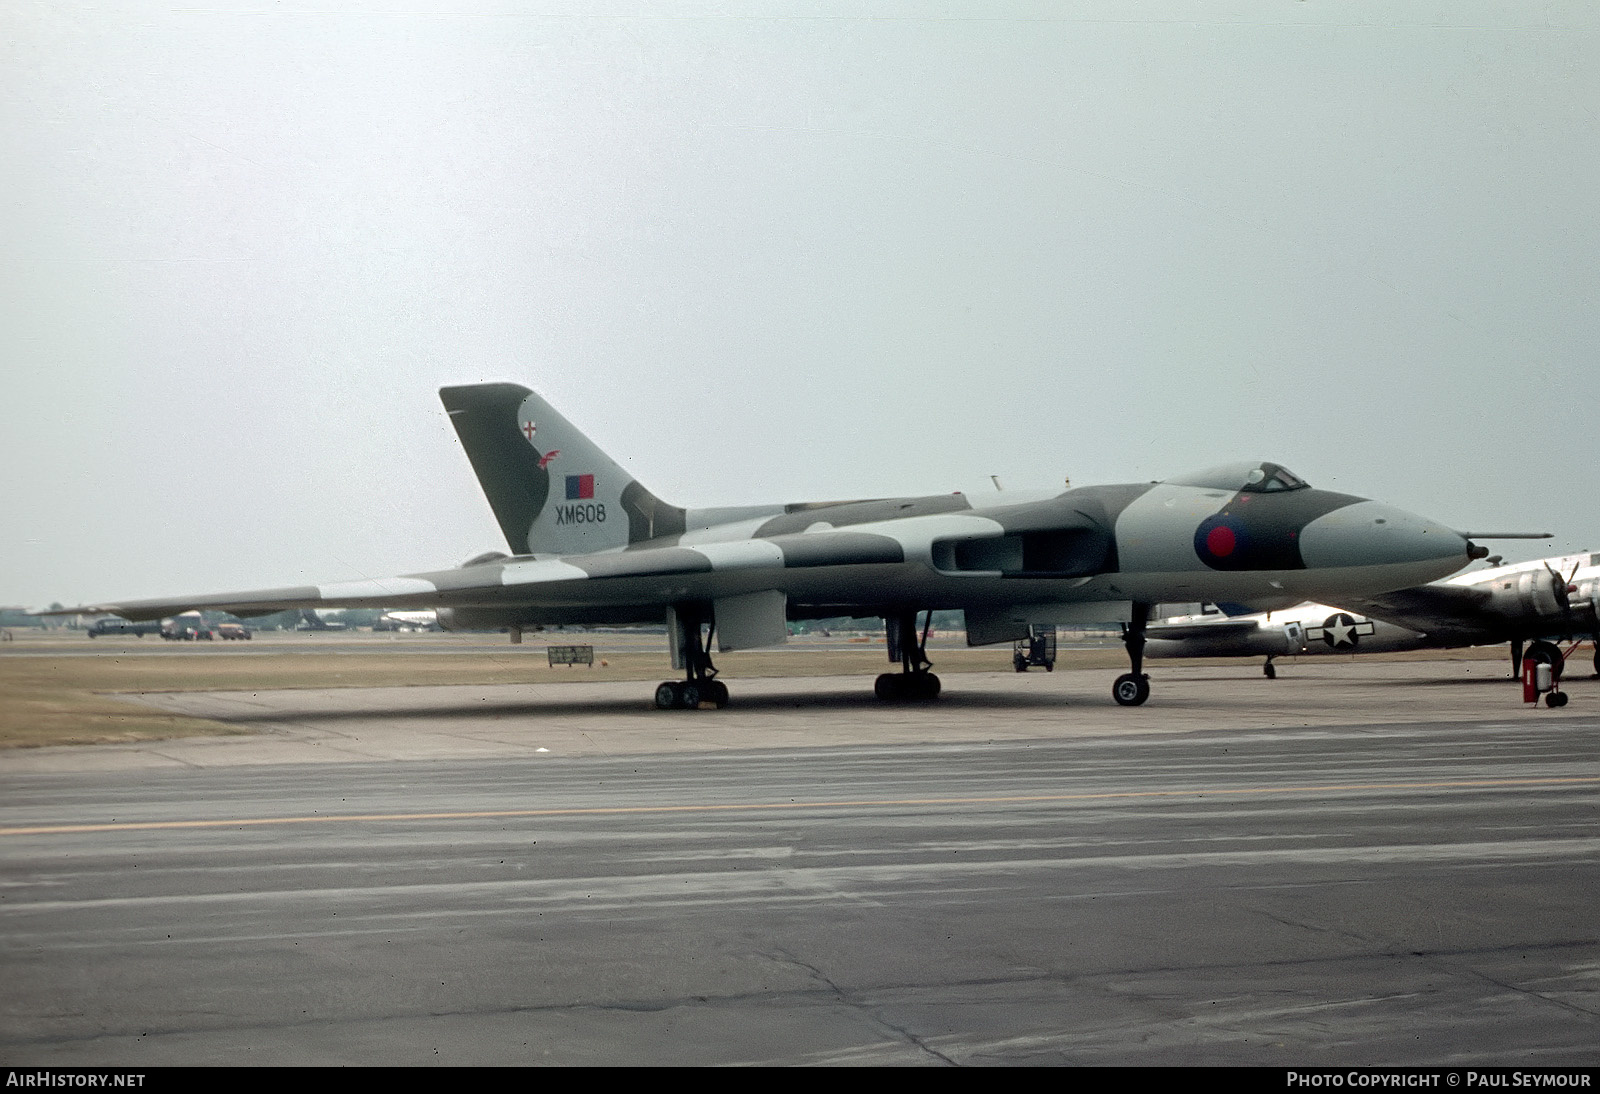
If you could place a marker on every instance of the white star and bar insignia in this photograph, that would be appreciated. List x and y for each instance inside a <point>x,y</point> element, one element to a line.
<point>1340,630</point>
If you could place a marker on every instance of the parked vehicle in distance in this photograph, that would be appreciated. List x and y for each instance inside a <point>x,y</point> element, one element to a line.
<point>1039,648</point>
<point>187,627</point>
<point>102,627</point>
<point>232,631</point>
<point>408,621</point>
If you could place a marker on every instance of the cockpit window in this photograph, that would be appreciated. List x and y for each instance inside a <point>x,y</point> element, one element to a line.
<point>1256,478</point>
<point>1275,477</point>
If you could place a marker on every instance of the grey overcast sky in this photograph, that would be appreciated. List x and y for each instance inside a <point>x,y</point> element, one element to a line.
<point>776,252</point>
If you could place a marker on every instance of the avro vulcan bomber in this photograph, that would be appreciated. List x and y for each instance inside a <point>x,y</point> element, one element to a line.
<point>589,545</point>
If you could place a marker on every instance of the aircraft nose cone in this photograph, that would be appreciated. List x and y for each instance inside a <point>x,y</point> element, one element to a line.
<point>1370,533</point>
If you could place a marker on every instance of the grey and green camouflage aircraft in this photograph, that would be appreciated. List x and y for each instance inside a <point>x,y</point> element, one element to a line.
<point>589,545</point>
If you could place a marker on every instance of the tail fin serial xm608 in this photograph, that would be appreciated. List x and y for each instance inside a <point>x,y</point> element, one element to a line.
<point>551,488</point>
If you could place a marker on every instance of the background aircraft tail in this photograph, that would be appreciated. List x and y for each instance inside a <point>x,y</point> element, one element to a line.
<point>551,488</point>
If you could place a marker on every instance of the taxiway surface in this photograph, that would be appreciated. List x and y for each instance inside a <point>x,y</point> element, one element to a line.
<point>1020,874</point>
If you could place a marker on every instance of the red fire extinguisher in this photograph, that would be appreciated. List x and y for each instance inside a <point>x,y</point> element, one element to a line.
<point>1539,678</point>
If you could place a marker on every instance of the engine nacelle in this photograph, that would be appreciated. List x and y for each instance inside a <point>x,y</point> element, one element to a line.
<point>479,619</point>
<point>1586,601</point>
<point>1532,592</point>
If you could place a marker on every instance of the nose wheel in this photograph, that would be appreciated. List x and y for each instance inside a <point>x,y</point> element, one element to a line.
<point>1133,688</point>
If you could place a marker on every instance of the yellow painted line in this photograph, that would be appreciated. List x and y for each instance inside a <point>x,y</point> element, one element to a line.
<point>621,810</point>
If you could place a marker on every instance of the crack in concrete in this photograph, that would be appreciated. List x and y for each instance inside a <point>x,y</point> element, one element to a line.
<point>1441,958</point>
<point>904,1034</point>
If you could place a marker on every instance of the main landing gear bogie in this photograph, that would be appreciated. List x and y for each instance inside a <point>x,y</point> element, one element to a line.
<point>914,683</point>
<point>690,628</point>
<point>906,687</point>
<point>691,694</point>
<point>1550,654</point>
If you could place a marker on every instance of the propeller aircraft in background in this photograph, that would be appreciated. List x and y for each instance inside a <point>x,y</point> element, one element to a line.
<point>1531,605</point>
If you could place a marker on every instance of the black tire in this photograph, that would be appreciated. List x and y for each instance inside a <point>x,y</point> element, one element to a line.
<point>689,696</point>
<point>717,693</point>
<point>1550,654</point>
<point>1020,663</point>
<point>927,687</point>
<point>1270,671</point>
<point>1049,666</point>
<point>887,687</point>
<point>667,696</point>
<point>1556,699</point>
<point>1130,690</point>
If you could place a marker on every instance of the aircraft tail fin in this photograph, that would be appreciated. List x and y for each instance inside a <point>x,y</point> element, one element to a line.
<point>551,488</point>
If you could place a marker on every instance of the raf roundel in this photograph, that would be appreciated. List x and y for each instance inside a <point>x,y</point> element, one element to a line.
<point>1222,542</point>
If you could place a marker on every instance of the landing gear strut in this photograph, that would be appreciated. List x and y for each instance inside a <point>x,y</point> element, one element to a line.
<point>691,650</point>
<point>913,683</point>
<point>1133,688</point>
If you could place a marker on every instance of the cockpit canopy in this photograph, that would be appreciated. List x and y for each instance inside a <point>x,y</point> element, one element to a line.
<point>1252,478</point>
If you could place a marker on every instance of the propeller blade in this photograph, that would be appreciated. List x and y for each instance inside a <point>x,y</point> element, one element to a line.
<point>1558,587</point>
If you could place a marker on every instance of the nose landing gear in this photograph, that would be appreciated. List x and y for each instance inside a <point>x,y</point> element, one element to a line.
<point>1131,689</point>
